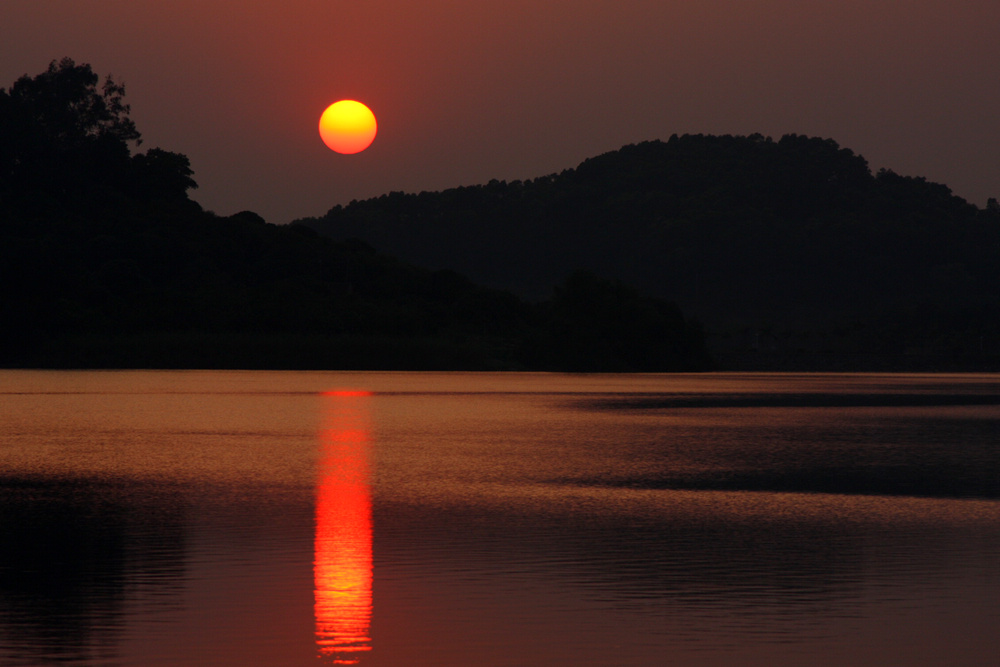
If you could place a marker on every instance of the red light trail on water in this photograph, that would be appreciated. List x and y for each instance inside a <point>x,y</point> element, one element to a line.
<point>343,543</point>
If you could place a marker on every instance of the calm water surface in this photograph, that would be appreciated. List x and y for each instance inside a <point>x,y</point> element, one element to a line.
<point>260,518</point>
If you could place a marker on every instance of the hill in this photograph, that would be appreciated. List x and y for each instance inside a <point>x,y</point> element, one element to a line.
<point>105,261</point>
<point>791,252</point>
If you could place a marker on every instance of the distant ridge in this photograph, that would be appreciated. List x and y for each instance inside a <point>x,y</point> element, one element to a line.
<point>106,262</point>
<point>789,254</point>
<point>780,247</point>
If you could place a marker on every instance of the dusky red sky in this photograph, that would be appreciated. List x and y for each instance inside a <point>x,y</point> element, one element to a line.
<point>468,91</point>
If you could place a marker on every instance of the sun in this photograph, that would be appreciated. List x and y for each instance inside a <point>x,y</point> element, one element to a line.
<point>347,127</point>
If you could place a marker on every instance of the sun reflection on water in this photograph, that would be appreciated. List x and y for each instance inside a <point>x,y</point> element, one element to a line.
<point>343,545</point>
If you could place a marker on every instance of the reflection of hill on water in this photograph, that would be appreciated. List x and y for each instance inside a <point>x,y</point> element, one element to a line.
<point>797,557</point>
<point>923,457</point>
<point>73,552</point>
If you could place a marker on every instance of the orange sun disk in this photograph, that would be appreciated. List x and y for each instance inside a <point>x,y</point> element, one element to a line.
<point>347,127</point>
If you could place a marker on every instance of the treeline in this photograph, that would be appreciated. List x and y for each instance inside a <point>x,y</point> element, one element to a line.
<point>782,248</point>
<point>105,261</point>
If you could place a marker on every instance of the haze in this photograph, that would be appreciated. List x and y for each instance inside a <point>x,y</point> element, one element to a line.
<point>468,92</point>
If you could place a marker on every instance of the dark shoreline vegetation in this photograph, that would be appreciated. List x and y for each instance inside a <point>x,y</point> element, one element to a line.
<point>692,254</point>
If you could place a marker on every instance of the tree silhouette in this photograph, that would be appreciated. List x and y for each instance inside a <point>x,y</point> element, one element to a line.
<point>593,324</point>
<point>65,135</point>
<point>160,174</point>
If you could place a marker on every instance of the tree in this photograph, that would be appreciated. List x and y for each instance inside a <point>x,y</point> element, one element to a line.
<point>65,103</point>
<point>593,324</point>
<point>59,131</point>
<point>66,136</point>
<point>161,174</point>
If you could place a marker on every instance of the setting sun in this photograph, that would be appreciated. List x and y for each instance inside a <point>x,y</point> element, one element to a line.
<point>347,127</point>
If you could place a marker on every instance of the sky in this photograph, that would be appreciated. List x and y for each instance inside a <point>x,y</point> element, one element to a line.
<point>470,91</point>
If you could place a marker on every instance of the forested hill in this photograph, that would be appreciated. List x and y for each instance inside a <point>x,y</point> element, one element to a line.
<point>105,261</point>
<point>789,246</point>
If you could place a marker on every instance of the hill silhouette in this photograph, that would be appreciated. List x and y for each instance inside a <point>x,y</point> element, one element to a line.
<point>105,261</point>
<point>791,252</point>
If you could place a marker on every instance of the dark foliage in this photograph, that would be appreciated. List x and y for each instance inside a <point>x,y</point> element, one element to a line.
<point>106,262</point>
<point>789,247</point>
<point>65,141</point>
<point>600,325</point>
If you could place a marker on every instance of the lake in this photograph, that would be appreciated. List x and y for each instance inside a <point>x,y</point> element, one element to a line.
<point>316,518</point>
